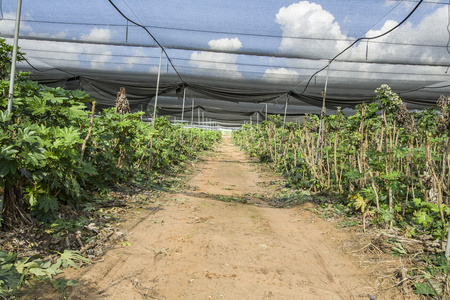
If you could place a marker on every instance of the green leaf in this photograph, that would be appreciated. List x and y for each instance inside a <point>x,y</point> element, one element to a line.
<point>422,218</point>
<point>62,283</point>
<point>69,257</point>
<point>8,167</point>
<point>5,116</point>
<point>391,176</point>
<point>353,174</point>
<point>8,151</point>
<point>47,96</point>
<point>426,288</point>
<point>417,202</point>
<point>48,203</point>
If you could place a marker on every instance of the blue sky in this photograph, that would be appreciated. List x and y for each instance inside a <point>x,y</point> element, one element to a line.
<point>238,40</point>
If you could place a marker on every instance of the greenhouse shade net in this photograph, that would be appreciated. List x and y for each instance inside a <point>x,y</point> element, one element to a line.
<point>233,57</point>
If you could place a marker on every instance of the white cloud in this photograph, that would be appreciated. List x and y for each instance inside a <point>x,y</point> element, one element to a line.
<point>137,58</point>
<point>51,54</point>
<point>7,24</point>
<point>97,35</point>
<point>154,70</point>
<point>320,34</point>
<point>214,63</point>
<point>100,61</point>
<point>280,75</point>
<point>310,20</point>
<point>62,54</point>
<point>225,44</point>
<point>432,30</point>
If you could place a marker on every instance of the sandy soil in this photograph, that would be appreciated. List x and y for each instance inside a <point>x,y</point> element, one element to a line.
<point>200,248</point>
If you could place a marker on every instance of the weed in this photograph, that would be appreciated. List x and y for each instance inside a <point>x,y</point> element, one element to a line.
<point>242,200</point>
<point>61,284</point>
<point>15,271</point>
<point>348,223</point>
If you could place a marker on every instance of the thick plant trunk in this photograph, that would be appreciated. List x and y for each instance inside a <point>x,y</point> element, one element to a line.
<point>14,212</point>
<point>122,104</point>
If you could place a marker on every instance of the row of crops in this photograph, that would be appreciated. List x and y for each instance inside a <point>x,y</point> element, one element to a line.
<point>60,160</point>
<point>54,151</point>
<point>387,163</point>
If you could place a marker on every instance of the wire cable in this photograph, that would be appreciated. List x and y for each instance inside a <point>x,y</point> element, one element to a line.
<point>425,87</point>
<point>180,29</point>
<point>132,11</point>
<point>43,71</point>
<point>385,15</point>
<point>149,33</point>
<point>213,62</point>
<point>227,32</point>
<point>361,39</point>
<point>429,2</point>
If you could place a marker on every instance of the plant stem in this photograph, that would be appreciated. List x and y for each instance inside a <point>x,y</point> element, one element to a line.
<point>91,124</point>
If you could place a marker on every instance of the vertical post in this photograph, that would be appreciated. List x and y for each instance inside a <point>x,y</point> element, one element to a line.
<point>284,122</point>
<point>266,111</point>
<point>13,72</point>
<point>182,113</point>
<point>285,111</point>
<point>198,123</point>
<point>192,119</point>
<point>154,110</point>
<point>203,126</point>
<point>251,128</point>
<point>192,113</point>
<point>184,100</point>
<point>324,93</point>
<point>14,56</point>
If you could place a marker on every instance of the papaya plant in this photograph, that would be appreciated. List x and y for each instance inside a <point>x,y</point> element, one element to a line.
<point>53,150</point>
<point>397,161</point>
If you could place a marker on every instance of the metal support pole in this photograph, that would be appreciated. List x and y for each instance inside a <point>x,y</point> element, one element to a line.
<point>284,122</point>
<point>182,113</point>
<point>154,110</point>
<point>13,73</point>
<point>198,124</point>
<point>285,111</point>
<point>192,113</point>
<point>203,126</point>
<point>251,128</point>
<point>184,101</point>
<point>266,111</point>
<point>14,56</point>
<point>192,119</point>
<point>324,93</point>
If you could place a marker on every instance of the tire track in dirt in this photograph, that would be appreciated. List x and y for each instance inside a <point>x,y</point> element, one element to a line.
<point>202,248</point>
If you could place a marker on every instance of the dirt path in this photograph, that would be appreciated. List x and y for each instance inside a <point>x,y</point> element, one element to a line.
<point>202,248</point>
